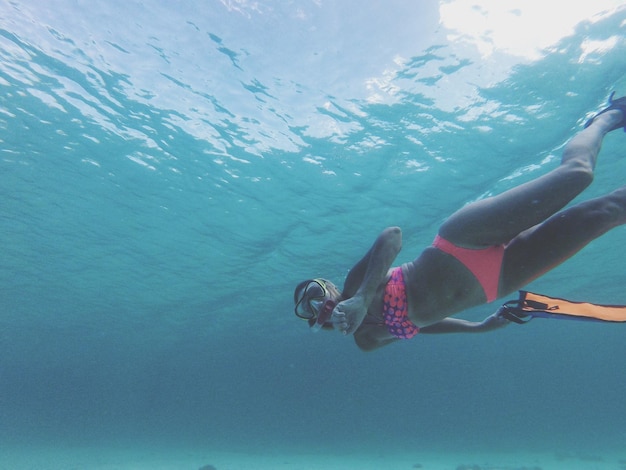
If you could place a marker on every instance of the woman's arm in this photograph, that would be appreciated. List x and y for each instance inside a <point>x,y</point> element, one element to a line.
<point>364,279</point>
<point>456,325</point>
<point>368,339</point>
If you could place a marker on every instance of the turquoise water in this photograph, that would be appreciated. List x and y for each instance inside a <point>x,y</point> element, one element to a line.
<point>169,173</point>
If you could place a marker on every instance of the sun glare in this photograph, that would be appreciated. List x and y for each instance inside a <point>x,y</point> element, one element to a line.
<point>521,29</point>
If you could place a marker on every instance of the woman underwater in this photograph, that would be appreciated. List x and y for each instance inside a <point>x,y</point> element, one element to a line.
<point>484,251</point>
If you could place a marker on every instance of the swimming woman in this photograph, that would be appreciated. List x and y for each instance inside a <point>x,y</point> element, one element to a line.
<point>484,251</point>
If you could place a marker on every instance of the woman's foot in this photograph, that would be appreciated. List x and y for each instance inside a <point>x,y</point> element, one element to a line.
<point>619,105</point>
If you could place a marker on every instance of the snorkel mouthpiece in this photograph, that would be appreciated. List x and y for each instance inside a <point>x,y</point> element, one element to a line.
<point>324,315</point>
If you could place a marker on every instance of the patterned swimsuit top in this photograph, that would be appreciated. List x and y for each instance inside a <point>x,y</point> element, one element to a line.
<point>395,309</point>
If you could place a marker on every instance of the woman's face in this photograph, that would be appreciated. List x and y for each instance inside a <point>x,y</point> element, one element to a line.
<point>315,301</point>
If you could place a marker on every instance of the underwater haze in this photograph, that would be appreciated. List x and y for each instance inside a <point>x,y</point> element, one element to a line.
<point>169,171</point>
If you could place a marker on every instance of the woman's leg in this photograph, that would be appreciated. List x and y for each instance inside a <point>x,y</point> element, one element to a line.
<point>501,218</point>
<point>543,247</point>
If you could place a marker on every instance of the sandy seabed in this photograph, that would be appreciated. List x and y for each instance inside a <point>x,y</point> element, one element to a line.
<point>160,458</point>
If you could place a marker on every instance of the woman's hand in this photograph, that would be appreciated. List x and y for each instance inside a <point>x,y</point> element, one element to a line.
<point>349,314</point>
<point>493,322</point>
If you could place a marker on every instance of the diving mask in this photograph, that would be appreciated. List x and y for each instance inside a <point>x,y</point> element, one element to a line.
<point>313,303</point>
<point>309,298</point>
<point>325,312</point>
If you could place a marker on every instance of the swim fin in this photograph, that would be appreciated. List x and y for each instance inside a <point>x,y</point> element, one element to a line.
<point>531,305</point>
<point>620,105</point>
